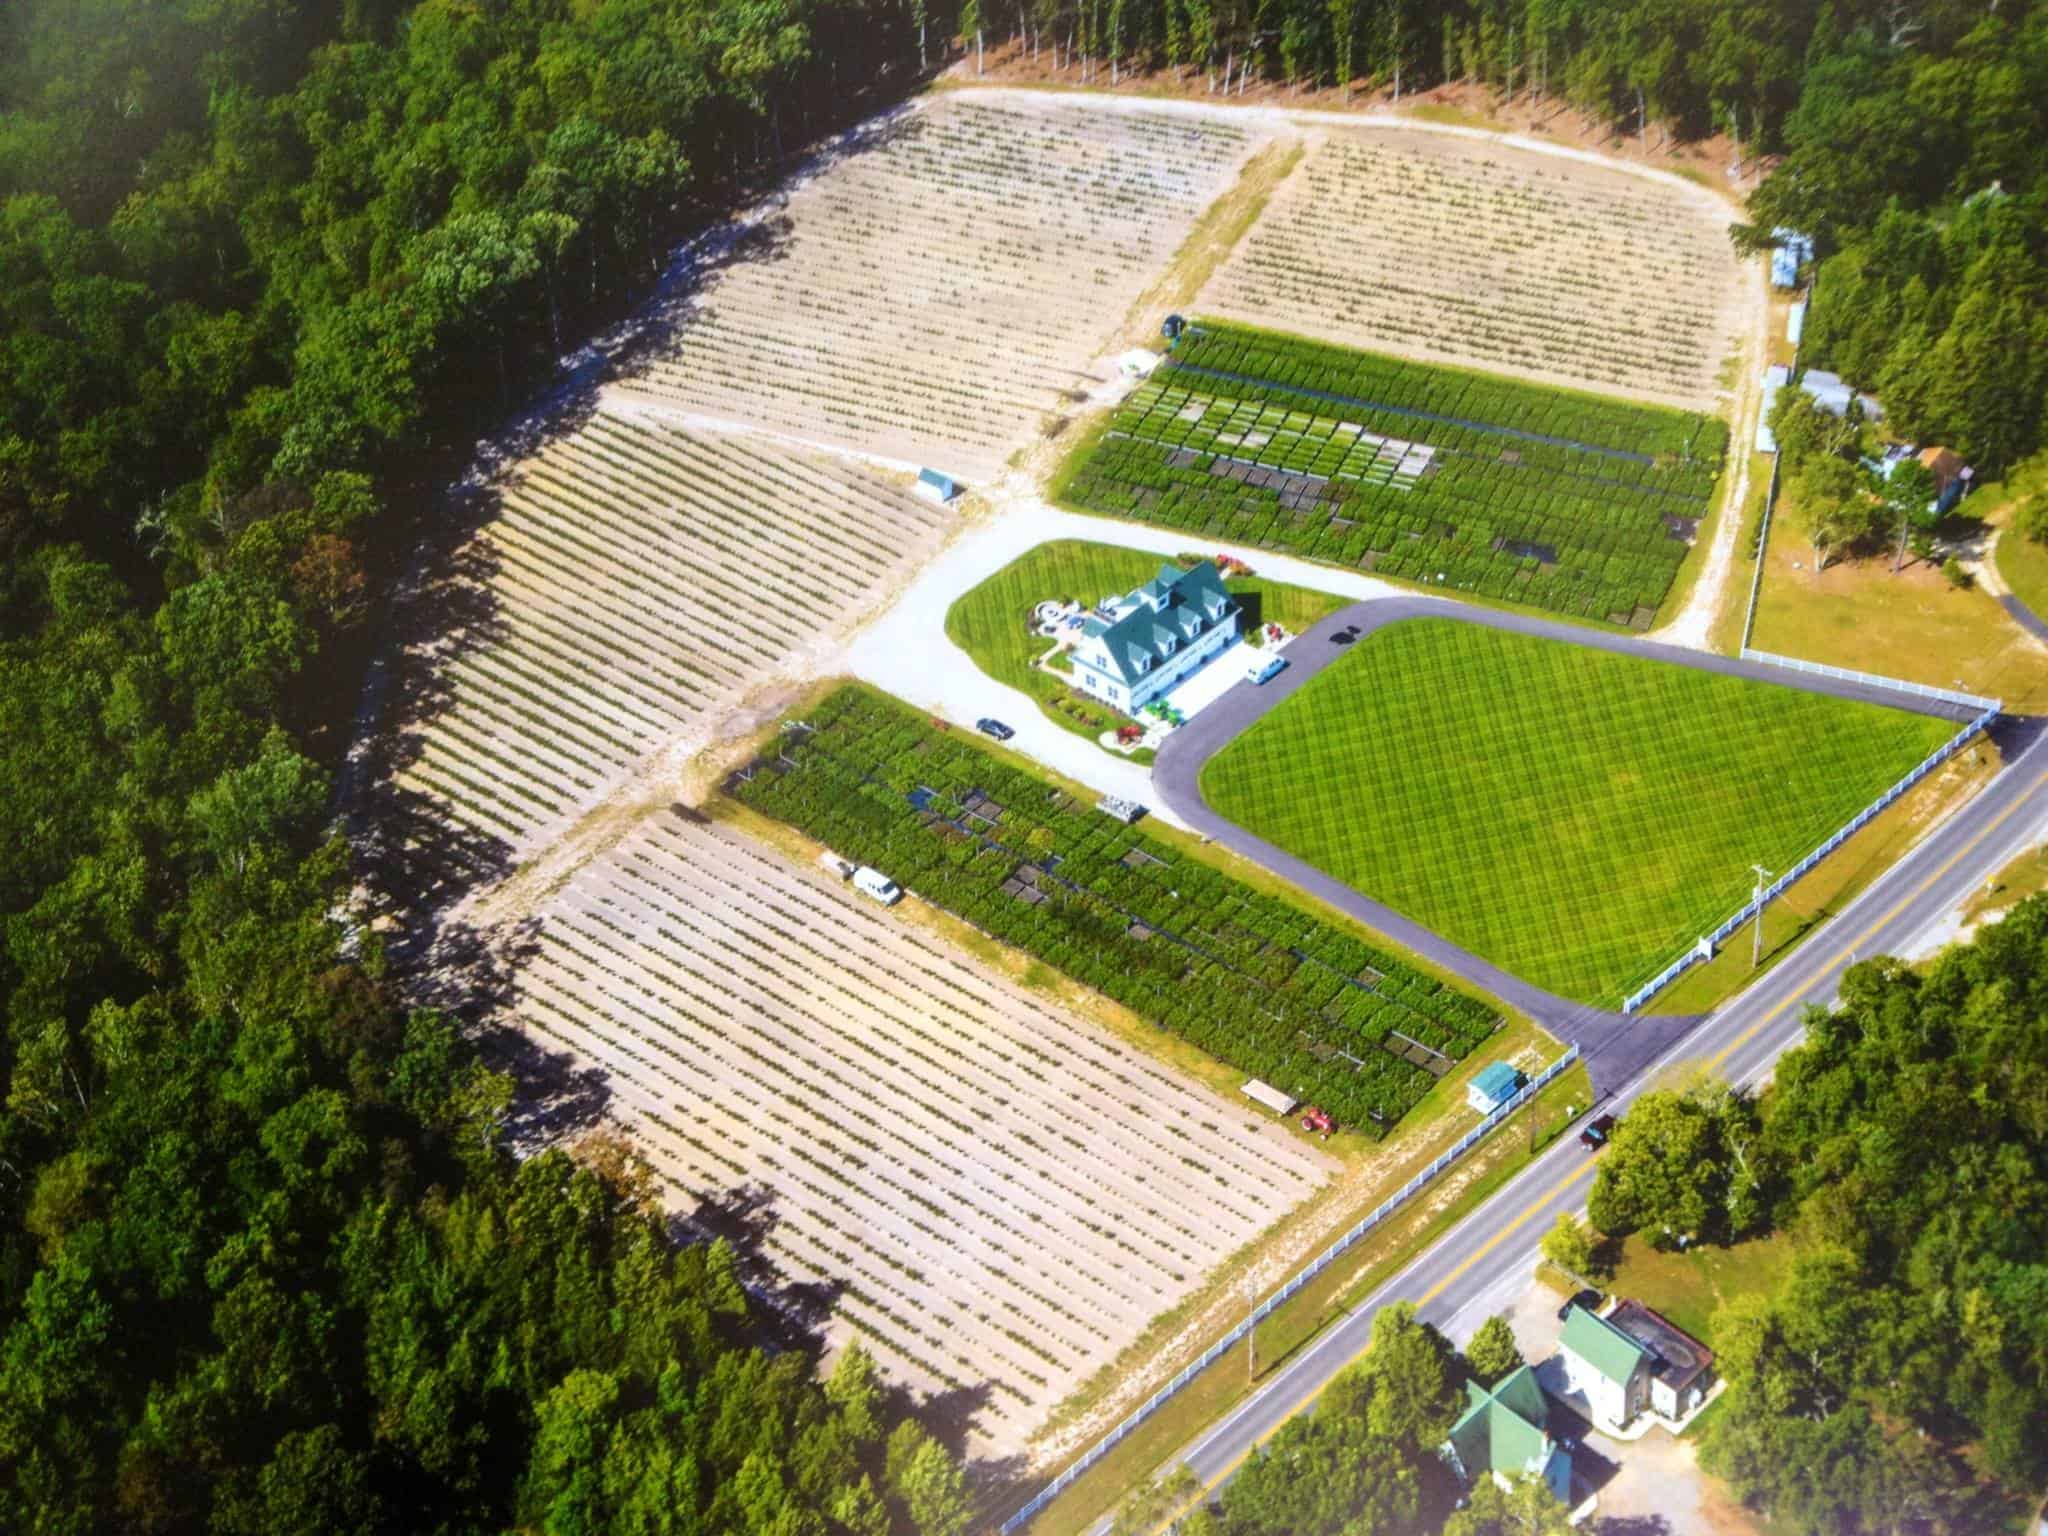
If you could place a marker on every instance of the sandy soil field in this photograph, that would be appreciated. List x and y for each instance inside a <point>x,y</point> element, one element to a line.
<point>1457,249</point>
<point>939,288</point>
<point>998,1195</point>
<point>635,583</point>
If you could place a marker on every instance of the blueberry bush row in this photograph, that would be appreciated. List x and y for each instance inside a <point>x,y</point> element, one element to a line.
<point>1251,978</point>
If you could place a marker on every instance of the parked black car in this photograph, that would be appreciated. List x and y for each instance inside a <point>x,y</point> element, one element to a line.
<point>1595,1136</point>
<point>1587,1300</point>
<point>989,726</point>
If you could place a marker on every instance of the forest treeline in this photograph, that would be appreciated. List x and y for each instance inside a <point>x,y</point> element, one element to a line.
<point>267,1262</point>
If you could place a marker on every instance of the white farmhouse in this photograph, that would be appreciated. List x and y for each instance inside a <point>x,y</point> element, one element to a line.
<point>1155,638</point>
<point>1631,1360</point>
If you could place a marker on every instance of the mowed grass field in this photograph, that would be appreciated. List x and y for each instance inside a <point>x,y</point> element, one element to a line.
<point>1576,816</point>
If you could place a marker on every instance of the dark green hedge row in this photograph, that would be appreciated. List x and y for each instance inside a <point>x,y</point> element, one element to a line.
<point>1252,979</point>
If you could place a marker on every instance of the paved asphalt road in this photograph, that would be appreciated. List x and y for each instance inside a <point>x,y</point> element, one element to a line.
<point>1478,1264</point>
<point>1616,1046</point>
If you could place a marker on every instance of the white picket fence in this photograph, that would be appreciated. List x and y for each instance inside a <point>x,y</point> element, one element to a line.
<point>1870,679</point>
<point>1289,1291</point>
<point>1982,722</point>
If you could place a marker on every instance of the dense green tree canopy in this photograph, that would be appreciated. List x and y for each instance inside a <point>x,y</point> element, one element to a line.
<point>1909,1142</point>
<point>266,1263</point>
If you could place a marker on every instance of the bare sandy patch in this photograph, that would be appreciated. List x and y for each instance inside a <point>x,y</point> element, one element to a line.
<point>1464,249</point>
<point>995,1194</point>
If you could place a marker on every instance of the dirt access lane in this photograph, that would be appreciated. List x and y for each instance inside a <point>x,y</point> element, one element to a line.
<point>1616,1045</point>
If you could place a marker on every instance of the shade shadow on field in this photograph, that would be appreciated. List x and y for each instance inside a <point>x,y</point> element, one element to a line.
<point>663,325</point>
<point>746,1217</point>
<point>446,606</point>
<point>796,1313</point>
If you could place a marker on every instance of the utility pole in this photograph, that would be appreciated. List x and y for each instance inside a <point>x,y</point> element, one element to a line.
<point>1756,941</point>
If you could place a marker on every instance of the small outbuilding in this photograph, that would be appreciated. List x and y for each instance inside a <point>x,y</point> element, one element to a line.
<point>1832,393</point>
<point>1792,251</point>
<point>934,486</point>
<point>1495,1084</point>
<point>1776,377</point>
<point>1952,477</point>
<point>1795,322</point>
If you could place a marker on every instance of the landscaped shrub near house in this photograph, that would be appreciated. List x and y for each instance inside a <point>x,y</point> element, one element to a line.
<point>1250,978</point>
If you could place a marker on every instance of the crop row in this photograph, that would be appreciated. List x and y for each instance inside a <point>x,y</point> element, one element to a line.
<point>1252,979</point>
<point>1394,485</point>
<point>1459,252</point>
<point>1290,364</point>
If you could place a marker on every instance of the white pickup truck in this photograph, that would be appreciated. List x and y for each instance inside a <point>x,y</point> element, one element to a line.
<point>878,885</point>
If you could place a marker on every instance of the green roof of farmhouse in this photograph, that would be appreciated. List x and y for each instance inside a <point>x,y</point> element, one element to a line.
<point>1167,611</point>
<point>1602,1345</point>
<point>1503,1430</point>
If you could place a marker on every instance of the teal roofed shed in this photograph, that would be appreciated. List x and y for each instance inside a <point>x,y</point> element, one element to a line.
<point>1493,1087</point>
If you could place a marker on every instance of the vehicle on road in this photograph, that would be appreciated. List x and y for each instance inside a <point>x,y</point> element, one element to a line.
<point>1595,1136</point>
<point>1586,1299</point>
<point>1262,668</point>
<point>878,885</point>
<point>988,725</point>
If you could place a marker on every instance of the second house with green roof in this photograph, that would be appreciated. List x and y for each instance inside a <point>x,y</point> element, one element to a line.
<point>1631,1361</point>
<point>1505,1431</point>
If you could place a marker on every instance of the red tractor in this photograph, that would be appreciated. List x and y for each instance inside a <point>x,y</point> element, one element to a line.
<point>1315,1120</point>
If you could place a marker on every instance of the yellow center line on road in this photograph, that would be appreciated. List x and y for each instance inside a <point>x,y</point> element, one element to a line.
<point>1557,1189</point>
<point>1848,950</point>
<point>1528,1212</point>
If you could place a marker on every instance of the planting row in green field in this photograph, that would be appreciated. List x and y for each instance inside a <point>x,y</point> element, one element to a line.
<point>1576,816</point>
<point>1295,363</point>
<point>1252,979</point>
<point>1389,482</point>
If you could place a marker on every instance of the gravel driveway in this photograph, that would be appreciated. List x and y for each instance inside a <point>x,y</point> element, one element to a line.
<point>906,652</point>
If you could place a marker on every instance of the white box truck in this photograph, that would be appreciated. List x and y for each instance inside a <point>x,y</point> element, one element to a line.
<point>878,885</point>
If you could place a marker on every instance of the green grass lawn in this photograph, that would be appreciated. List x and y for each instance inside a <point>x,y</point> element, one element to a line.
<point>1690,1287</point>
<point>992,623</point>
<point>1575,816</point>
